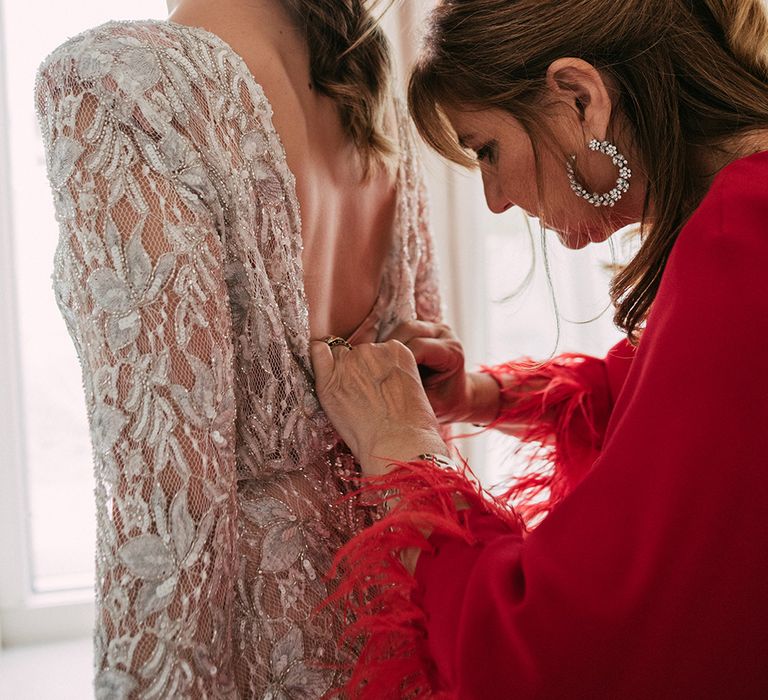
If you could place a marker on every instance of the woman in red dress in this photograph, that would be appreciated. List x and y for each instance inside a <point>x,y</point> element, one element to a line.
<point>647,577</point>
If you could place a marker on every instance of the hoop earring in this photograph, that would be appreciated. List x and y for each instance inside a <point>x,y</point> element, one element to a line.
<point>622,184</point>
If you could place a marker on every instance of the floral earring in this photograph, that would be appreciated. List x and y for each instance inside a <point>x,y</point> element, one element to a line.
<point>622,184</point>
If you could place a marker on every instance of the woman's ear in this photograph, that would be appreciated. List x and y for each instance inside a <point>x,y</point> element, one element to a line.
<point>580,86</point>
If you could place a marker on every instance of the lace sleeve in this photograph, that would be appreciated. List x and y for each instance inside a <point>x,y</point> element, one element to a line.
<point>138,277</point>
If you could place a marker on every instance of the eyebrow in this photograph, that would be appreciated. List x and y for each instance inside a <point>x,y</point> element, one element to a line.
<point>464,138</point>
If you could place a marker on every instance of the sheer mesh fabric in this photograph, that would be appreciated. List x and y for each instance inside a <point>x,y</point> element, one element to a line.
<point>178,272</point>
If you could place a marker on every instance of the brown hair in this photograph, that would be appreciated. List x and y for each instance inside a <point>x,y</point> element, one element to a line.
<point>690,74</point>
<point>350,62</point>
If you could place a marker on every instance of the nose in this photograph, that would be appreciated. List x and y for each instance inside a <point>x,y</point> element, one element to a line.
<point>494,196</point>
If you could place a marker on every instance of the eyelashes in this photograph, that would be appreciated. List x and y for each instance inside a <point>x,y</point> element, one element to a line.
<point>487,153</point>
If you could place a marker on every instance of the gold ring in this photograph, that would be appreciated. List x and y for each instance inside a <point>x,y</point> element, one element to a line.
<point>334,341</point>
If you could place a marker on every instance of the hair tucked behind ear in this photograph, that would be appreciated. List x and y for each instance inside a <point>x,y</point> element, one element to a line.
<point>690,75</point>
<point>350,62</point>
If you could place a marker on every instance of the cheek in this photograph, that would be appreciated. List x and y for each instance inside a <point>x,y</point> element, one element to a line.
<point>518,172</point>
<point>517,177</point>
<point>520,189</point>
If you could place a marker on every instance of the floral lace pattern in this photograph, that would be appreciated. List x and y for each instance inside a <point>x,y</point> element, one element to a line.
<point>179,275</point>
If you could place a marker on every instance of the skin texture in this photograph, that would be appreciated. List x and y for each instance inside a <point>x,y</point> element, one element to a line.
<point>344,217</point>
<point>579,106</point>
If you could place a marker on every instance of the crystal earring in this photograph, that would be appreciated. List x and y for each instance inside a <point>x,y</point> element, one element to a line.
<point>622,184</point>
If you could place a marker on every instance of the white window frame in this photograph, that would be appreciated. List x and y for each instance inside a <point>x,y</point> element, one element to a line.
<point>26,617</point>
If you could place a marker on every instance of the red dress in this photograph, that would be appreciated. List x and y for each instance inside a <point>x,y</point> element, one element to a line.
<point>649,577</point>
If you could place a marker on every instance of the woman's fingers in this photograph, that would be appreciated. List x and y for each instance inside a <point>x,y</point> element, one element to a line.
<point>435,347</point>
<point>322,361</point>
<point>438,355</point>
<point>321,356</point>
<point>409,330</point>
<point>374,398</point>
<point>432,345</point>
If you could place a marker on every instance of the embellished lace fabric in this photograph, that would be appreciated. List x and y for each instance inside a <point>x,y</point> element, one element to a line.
<point>179,275</point>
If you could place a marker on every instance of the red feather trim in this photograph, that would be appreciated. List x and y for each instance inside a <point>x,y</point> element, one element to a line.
<point>376,590</point>
<point>549,405</point>
<point>553,407</point>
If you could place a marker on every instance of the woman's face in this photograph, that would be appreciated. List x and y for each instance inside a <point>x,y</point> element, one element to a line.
<point>506,159</point>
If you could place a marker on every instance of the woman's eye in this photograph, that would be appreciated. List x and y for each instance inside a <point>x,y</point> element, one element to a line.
<point>487,153</point>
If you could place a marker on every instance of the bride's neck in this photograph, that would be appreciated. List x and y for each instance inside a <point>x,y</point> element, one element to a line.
<point>243,22</point>
<point>268,15</point>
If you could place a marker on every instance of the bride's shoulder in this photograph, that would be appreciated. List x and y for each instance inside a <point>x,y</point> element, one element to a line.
<point>138,54</point>
<point>129,58</point>
<point>111,39</point>
<point>156,65</point>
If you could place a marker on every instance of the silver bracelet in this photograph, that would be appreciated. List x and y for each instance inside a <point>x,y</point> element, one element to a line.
<point>438,460</point>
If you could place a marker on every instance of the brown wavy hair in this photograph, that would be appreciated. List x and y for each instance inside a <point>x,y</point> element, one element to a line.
<point>690,74</point>
<point>350,61</point>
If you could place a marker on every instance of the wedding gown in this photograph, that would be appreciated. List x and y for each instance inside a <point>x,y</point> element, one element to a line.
<point>179,275</point>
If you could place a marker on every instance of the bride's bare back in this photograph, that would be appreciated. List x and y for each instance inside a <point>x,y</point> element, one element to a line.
<point>347,219</point>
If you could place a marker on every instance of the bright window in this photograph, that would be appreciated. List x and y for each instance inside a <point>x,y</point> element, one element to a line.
<point>59,485</point>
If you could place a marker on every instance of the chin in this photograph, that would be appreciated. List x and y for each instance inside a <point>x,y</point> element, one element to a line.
<point>573,242</point>
<point>581,238</point>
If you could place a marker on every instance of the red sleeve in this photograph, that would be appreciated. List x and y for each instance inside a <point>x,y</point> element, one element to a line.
<point>651,579</point>
<point>564,406</point>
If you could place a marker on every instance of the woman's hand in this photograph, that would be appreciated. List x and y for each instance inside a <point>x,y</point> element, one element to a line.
<point>374,398</point>
<point>455,395</point>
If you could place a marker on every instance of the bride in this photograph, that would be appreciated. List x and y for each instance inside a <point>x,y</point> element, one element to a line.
<point>229,183</point>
